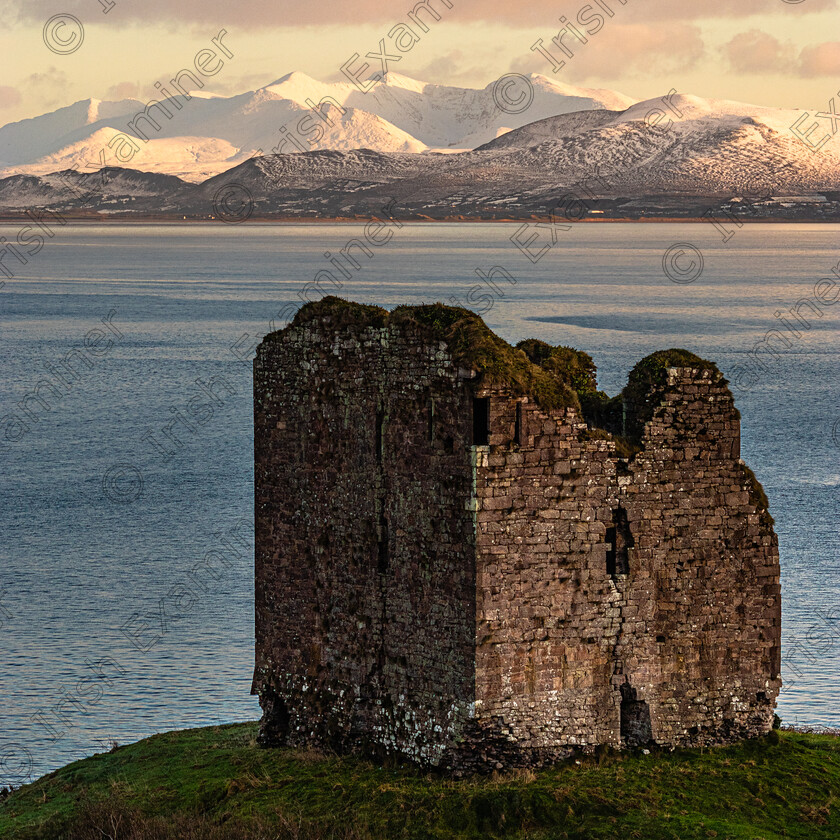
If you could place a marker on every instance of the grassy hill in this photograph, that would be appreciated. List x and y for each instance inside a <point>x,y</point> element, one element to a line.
<point>215,784</point>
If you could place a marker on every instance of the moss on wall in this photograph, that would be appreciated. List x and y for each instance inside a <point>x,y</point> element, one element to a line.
<point>757,496</point>
<point>646,383</point>
<point>472,344</point>
<point>574,367</point>
<point>341,313</point>
<point>554,376</point>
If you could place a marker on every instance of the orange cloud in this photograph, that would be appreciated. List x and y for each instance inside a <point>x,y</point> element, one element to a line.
<point>262,13</point>
<point>762,53</point>
<point>50,86</point>
<point>618,49</point>
<point>123,90</point>
<point>9,97</point>
<point>820,60</point>
<point>758,52</point>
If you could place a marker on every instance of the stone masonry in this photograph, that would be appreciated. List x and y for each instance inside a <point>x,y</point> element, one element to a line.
<point>450,571</point>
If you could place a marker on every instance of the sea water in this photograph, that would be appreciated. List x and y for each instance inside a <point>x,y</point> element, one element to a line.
<point>110,628</point>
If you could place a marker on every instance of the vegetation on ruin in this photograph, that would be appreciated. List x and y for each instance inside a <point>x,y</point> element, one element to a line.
<point>603,413</point>
<point>757,496</point>
<point>472,343</point>
<point>341,313</point>
<point>651,370</point>
<point>645,383</point>
<point>555,377</point>
<point>574,367</point>
<point>216,784</point>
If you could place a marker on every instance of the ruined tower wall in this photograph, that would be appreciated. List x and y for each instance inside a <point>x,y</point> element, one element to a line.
<point>700,631</point>
<point>365,565</point>
<point>448,571</point>
<point>546,612</point>
<point>618,601</point>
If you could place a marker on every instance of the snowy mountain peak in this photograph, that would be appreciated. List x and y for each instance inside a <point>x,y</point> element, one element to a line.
<point>684,109</point>
<point>397,80</point>
<point>399,114</point>
<point>296,77</point>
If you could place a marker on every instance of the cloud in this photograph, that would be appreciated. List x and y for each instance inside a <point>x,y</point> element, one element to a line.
<point>820,60</point>
<point>619,49</point>
<point>453,68</point>
<point>263,13</point>
<point>50,87</point>
<point>9,96</point>
<point>758,52</point>
<point>651,10</point>
<point>763,54</point>
<point>123,90</point>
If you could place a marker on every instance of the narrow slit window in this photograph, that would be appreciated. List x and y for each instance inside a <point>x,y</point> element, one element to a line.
<point>619,541</point>
<point>481,421</point>
<point>520,435</point>
<point>380,419</point>
<point>383,548</point>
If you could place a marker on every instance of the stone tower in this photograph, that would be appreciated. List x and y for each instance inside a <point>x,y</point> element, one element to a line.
<point>468,556</point>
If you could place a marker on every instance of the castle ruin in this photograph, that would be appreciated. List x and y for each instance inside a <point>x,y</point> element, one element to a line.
<point>469,556</point>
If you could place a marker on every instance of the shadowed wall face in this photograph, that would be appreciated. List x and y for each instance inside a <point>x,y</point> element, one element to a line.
<point>365,553</point>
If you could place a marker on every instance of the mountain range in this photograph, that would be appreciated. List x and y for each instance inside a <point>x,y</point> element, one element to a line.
<point>437,151</point>
<point>208,134</point>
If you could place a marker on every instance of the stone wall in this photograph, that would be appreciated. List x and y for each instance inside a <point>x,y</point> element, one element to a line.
<point>365,566</point>
<point>547,612</point>
<point>501,604</point>
<point>620,602</point>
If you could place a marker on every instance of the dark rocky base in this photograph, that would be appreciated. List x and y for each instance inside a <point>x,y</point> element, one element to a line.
<point>484,750</point>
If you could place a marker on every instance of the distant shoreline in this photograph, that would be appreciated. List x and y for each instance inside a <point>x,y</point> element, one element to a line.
<point>293,220</point>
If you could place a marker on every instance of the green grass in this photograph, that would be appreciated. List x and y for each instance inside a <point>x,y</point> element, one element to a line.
<point>215,783</point>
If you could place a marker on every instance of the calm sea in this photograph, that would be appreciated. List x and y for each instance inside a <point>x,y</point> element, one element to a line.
<point>104,521</point>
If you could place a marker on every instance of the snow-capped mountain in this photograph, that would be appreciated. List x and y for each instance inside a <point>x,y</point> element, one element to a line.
<point>693,145</point>
<point>443,117</point>
<point>674,159</point>
<point>208,134</point>
<point>107,191</point>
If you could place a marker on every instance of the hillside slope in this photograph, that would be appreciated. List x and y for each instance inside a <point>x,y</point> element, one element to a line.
<point>215,784</point>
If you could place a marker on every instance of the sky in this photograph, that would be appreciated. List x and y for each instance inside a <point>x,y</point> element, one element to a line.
<point>768,52</point>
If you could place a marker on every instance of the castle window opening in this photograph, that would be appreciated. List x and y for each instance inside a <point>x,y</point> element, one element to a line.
<point>481,421</point>
<point>635,723</point>
<point>519,436</point>
<point>620,540</point>
<point>380,419</point>
<point>383,558</point>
